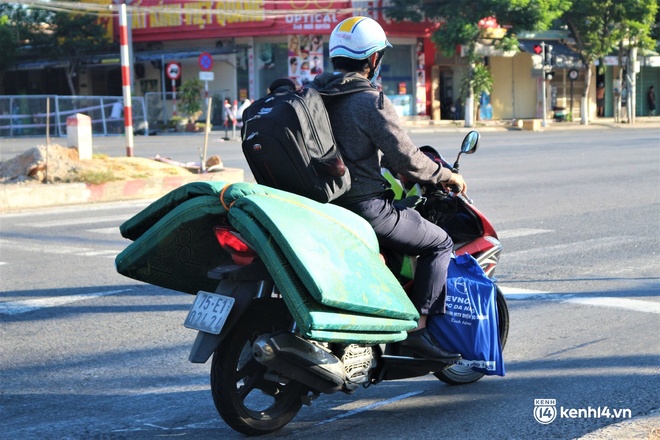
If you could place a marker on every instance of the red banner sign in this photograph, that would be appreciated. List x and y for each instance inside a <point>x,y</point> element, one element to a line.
<point>158,20</point>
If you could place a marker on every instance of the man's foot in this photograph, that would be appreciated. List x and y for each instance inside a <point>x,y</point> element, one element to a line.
<point>420,343</point>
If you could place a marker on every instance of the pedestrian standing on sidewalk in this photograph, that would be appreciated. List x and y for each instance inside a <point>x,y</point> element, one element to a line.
<point>651,101</point>
<point>229,117</point>
<point>600,100</point>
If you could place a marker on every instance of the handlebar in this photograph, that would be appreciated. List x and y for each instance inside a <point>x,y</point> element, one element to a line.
<point>454,191</point>
<point>466,199</point>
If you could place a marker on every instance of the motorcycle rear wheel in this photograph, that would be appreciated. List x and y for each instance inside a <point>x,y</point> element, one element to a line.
<point>460,375</point>
<point>246,400</point>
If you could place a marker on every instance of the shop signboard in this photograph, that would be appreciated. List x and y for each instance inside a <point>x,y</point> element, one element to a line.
<point>179,19</point>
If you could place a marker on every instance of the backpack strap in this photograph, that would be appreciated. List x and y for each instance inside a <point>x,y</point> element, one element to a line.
<point>345,89</point>
<point>283,84</point>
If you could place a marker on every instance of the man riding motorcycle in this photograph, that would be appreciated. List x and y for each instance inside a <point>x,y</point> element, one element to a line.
<point>365,124</point>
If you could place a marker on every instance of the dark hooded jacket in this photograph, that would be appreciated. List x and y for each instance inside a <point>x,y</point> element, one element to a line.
<point>365,123</point>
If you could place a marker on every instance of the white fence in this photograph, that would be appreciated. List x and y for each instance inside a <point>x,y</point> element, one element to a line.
<point>160,108</point>
<point>26,115</point>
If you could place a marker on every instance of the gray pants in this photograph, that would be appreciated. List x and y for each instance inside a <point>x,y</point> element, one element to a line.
<point>406,231</point>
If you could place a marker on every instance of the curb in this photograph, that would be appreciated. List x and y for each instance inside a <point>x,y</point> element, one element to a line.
<point>501,126</point>
<point>16,197</point>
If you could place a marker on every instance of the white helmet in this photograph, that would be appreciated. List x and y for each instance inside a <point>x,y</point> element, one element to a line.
<point>357,38</point>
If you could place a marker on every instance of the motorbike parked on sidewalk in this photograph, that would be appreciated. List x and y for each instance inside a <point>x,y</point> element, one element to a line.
<point>264,369</point>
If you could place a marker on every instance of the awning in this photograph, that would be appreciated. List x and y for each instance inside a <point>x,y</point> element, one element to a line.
<point>41,64</point>
<point>564,56</point>
<point>155,56</point>
<point>113,59</point>
<point>179,54</point>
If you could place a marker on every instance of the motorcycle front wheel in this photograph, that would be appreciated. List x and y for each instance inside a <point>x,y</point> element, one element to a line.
<point>249,397</point>
<point>460,375</point>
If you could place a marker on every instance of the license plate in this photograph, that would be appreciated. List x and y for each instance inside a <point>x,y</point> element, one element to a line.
<point>209,312</point>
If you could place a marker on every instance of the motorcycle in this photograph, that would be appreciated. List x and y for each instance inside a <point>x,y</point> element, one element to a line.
<point>263,369</point>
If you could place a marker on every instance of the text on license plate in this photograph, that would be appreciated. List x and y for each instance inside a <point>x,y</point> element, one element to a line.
<point>209,312</point>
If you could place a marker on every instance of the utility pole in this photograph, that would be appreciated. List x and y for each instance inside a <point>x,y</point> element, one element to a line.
<point>546,54</point>
<point>543,88</point>
<point>633,69</point>
<point>126,67</point>
<point>469,101</point>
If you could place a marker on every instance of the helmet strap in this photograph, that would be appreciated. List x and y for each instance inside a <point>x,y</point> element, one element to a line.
<point>373,66</point>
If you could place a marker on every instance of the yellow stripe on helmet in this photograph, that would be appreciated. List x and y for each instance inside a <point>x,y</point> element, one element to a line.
<point>349,24</point>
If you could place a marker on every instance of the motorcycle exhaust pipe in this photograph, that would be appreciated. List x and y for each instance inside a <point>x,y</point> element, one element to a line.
<point>300,360</point>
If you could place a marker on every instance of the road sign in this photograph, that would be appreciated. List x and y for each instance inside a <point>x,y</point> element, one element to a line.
<point>173,71</point>
<point>206,76</point>
<point>205,61</point>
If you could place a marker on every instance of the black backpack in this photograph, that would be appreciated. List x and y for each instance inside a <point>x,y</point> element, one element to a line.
<point>289,145</point>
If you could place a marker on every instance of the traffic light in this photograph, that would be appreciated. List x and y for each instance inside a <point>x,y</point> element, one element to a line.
<point>538,49</point>
<point>548,55</point>
<point>549,75</point>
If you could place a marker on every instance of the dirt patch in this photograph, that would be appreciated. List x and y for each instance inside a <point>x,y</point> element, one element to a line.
<point>54,163</point>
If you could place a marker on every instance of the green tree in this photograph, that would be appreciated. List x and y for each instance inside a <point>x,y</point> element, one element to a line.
<point>191,98</point>
<point>22,34</point>
<point>8,46</point>
<point>600,27</point>
<point>655,32</point>
<point>76,36</point>
<point>459,24</point>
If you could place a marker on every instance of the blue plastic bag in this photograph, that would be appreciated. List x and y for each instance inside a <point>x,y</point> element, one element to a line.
<point>471,325</point>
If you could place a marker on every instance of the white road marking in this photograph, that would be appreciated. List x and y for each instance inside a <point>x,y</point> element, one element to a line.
<point>77,209</point>
<point>108,231</point>
<point>78,221</point>
<point>99,254</point>
<point>369,407</point>
<point>523,232</point>
<point>29,305</point>
<point>618,303</point>
<point>517,293</point>
<point>636,305</point>
<point>58,249</point>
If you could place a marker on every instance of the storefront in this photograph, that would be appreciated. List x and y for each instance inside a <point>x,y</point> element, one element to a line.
<point>254,43</point>
<point>647,76</point>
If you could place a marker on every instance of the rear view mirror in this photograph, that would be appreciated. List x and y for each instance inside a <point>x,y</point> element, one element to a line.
<point>469,146</point>
<point>470,143</point>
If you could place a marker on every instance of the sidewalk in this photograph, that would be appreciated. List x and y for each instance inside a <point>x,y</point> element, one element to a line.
<point>424,126</point>
<point>17,197</point>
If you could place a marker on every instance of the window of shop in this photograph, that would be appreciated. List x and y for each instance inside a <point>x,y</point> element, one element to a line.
<point>271,64</point>
<point>397,78</point>
<point>275,61</point>
<point>397,75</point>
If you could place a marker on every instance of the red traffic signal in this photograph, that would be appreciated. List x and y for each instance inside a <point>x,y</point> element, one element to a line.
<point>538,49</point>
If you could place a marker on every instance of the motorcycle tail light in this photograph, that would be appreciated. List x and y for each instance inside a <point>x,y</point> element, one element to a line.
<point>240,252</point>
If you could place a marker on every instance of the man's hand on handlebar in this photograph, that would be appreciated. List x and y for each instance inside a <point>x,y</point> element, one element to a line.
<point>456,184</point>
